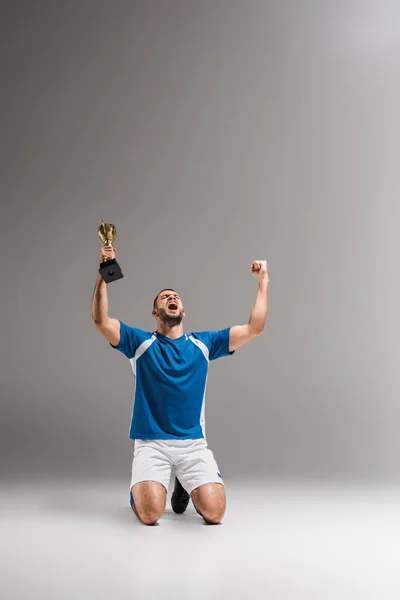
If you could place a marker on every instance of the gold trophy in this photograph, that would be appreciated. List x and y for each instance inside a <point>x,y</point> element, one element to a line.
<point>109,269</point>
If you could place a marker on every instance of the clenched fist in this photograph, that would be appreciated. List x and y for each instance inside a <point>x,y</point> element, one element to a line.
<point>107,253</point>
<point>258,269</point>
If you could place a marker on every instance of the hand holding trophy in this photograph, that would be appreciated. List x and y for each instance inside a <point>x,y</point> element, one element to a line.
<point>109,268</point>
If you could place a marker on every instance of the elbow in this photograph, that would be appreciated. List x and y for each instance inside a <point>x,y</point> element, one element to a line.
<point>256,331</point>
<point>97,322</point>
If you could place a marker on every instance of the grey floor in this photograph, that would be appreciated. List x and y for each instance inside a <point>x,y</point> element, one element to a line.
<point>279,541</point>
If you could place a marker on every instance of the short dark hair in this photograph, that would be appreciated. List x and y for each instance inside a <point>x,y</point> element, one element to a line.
<point>156,298</point>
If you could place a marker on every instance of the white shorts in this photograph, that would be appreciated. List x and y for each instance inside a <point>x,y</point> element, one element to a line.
<point>192,461</point>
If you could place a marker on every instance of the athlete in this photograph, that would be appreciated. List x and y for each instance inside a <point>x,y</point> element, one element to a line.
<point>170,369</point>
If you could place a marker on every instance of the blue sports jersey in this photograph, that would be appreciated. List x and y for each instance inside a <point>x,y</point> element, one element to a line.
<point>170,380</point>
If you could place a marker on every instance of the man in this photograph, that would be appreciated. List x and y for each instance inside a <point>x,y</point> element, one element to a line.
<point>170,370</point>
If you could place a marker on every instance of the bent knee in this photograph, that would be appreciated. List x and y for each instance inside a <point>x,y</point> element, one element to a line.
<point>149,517</point>
<point>149,499</point>
<point>213,517</point>
<point>210,502</point>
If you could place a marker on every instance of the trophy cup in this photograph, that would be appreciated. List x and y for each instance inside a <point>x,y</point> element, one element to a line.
<point>109,269</point>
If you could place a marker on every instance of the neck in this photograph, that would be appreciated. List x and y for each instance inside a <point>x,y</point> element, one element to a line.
<point>173,332</point>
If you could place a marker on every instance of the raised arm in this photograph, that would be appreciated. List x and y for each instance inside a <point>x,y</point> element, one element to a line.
<point>107,326</point>
<point>241,334</point>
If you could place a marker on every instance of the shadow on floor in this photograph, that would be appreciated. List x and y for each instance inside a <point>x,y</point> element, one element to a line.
<point>89,506</point>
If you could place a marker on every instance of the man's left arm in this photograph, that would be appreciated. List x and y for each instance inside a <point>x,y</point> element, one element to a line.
<point>241,334</point>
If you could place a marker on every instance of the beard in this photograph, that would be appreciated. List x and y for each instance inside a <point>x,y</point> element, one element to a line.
<point>168,320</point>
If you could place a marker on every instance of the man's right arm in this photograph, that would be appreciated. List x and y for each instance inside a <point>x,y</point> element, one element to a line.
<point>109,327</point>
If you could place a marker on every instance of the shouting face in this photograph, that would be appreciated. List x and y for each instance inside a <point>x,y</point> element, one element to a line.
<point>169,308</point>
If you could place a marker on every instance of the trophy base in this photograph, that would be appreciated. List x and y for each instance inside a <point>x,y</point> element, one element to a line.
<point>110,270</point>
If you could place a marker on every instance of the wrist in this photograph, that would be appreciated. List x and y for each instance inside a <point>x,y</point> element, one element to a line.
<point>100,283</point>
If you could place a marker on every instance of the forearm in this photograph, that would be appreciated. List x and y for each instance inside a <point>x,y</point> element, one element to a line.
<point>100,301</point>
<point>259,313</point>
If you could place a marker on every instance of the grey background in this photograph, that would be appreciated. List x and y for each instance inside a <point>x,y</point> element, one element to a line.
<point>210,134</point>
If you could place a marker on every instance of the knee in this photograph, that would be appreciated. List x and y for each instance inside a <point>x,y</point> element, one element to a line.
<point>149,516</point>
<point>148,501</point>
<point>210,502</point>
<point>213,516</point>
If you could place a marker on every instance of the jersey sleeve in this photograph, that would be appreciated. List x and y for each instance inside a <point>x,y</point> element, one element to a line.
<point>130,339</point>
<point>217,342</point>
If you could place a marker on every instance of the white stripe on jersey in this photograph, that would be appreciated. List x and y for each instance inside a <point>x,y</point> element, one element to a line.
<point>141,350</point>
<point>200,345</point>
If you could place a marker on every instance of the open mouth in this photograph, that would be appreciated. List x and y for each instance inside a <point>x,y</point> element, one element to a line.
<point>172,306</point>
